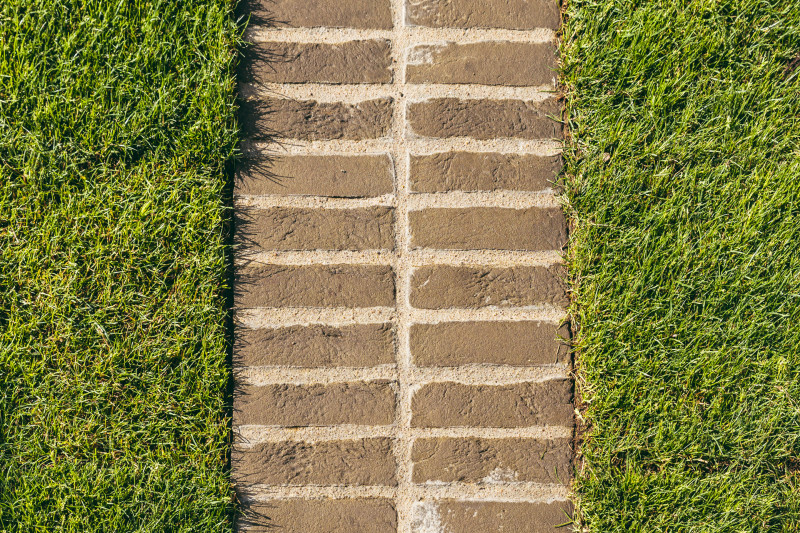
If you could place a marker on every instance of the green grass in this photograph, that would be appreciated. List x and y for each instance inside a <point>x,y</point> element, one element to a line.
<point>116,123</point>
<point>684,179</point>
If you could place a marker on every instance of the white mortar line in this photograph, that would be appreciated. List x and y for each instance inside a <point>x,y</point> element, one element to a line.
<point>501,199</point>
<point>551,314</point>
<point>251,435</point>
<point>265,493</point>
<point>403,499</point>
<point>415,145</point>
<point>417,257</point>
<point>416,201</point>
<point>413,35</point>
<point>273,317</point>
<point>312,202</point>
<point>495,258</point>
<point>255,148</point>
<point>262,376</point>
<point>317,257</point>
<point>259,318</point>
<point>357,93</point>
<point>466,375</point>
<point>511,492</point>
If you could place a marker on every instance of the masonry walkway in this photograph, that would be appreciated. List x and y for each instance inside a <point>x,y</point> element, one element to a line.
<point>399,300</point>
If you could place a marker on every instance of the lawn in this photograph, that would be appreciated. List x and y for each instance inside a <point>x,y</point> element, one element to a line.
<point>116,126</point>
<point>683,174</point>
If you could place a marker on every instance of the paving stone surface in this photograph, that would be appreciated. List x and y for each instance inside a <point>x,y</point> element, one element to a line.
<point>400,354</point>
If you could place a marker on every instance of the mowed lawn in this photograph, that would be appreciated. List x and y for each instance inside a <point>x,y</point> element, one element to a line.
<point>683,174</point>
<point>116,124</point>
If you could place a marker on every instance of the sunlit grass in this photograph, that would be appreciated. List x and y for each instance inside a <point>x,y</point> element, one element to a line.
<point>684,177</point>
<point>116,123</point>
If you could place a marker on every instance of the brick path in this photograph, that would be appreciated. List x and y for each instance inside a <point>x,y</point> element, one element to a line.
<point>398,294</point>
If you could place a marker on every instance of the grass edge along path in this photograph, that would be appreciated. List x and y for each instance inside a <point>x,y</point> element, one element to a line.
<point>116,123</point>
<point>683,177</point>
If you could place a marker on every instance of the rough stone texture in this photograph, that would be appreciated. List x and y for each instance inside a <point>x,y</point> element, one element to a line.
<point>328,175</point>
<point>520,405</point>
<point>343,462</point>
<point>442,287</point>
<point>317,345</point>
<point>509,14</point>
<point>489,63</point>
<point>309,120</point>
<point>526,343</point>
<point>488,228</point>
<point>321,516</point>
<point>491,516</point>
<point>485,119</point>
<point>366,14</point>
<point>465,171</point>
<point>291,228</point>
<point>314,286</point>
<point>491,461</point>
<point>370,403</point>
<point>351,62</point>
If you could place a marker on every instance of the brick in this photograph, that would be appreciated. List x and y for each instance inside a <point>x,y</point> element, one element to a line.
<point>519,405</point>
<point>350,62</point>
<point>321,516</point>
<point>486,516</point>
<point>465,171</point>
<point>485,119</point>
<point>508,14</point>
<point>344,462</point>
<point>442,287</point>
<point>290,228</point>
<point>315,346</point>
<point>491,461</point>
<point>369,403</point>
<point>525,343</point>
<point>486,63</point>
<point>310,120</point>
<point>333,175</point>
<point>488,228</point>
<point>314,286</point>
<point>366,14</point>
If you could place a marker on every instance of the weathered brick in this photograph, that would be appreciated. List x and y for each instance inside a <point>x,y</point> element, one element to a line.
<point>519,405</point>
<point>310,120</point>
<point>485,119</point>
<point>442,287</point>
<point>317,345</point>
<point>509,14</point>
<point>488,228</point>
<point>367,14</point>
<point>466,171</point>
<point>523,343</point>
<point>330,175</point>
<point>486,63</point>
<point>350,62</point>
<point>486,516</point>
<point>291,228</point>
<point>491,461</point>
<point>321,516</point>
<point>370,403</point>
<point>343,462</point>
<point>260,285</point>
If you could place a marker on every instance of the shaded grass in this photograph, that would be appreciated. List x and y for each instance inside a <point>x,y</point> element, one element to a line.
<point>684,179</point>
<point>116,123</point>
